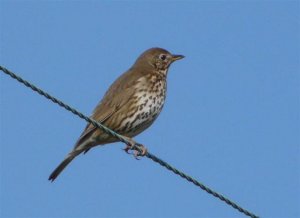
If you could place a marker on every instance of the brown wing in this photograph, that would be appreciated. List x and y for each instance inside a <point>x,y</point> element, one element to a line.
<point>90,129</point>
<point>114,99</point>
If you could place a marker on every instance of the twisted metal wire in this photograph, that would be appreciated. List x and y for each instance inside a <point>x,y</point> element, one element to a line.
<point>122,139</point>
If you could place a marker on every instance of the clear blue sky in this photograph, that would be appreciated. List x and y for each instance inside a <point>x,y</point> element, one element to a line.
<point>231,118</point>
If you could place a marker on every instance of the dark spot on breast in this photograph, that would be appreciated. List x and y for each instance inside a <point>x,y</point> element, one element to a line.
<point>126,126</point>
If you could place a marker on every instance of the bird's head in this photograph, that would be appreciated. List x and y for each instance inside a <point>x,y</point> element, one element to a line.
<point>159,58</point>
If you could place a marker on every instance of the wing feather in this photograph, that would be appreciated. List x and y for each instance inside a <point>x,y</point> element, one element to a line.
<point>114,100</point>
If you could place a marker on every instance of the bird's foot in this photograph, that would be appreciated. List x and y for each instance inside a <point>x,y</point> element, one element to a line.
<point>139,150</point>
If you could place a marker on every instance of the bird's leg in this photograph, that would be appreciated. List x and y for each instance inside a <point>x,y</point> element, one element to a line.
<point>129,146</point>
<point>132,146</point>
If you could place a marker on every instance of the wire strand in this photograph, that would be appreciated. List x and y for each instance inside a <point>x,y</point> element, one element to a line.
<point>122,139</point>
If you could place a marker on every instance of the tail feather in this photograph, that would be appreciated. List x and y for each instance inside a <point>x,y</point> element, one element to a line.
<point>63,164</point>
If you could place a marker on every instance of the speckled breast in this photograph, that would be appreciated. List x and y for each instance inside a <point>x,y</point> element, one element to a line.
<point>150,98</point>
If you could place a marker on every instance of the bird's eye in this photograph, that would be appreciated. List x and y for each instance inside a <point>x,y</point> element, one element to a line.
<point>163,57</point>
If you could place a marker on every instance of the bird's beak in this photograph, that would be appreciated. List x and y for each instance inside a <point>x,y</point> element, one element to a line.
<point>177,57</point>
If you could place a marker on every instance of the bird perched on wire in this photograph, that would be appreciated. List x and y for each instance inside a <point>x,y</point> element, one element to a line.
<point>130,105</point>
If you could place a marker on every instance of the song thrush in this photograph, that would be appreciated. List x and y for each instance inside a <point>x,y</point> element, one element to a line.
<point>130,105</point>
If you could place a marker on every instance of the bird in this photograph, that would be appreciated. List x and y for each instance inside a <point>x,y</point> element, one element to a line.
<point>130,105</point>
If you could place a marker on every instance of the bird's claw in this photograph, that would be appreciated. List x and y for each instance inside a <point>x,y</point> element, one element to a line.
<point>127,148</point>
<point>136,153</point>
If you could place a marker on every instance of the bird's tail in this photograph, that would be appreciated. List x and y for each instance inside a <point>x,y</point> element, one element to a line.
<point>63,164</point>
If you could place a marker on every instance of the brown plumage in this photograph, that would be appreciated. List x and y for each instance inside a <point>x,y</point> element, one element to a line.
<point>130,105</point>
